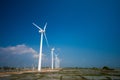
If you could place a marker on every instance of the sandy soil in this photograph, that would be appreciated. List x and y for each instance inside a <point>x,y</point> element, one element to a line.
<point>2,74</point>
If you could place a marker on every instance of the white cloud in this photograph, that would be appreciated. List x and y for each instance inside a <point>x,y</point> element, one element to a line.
<point>21,55</point>
<point>19,49</point>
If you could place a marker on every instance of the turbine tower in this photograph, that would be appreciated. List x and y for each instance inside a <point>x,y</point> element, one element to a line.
<point>42,31</point>
<point>57,61</point>
<point>52,51</point>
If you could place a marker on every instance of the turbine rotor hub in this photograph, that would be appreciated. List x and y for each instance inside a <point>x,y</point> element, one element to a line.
<point>41,31</point>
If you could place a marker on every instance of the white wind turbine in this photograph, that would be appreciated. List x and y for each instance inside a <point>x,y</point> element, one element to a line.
<point>42,31</point>
<point>57,61</point>
<point>52,52</point>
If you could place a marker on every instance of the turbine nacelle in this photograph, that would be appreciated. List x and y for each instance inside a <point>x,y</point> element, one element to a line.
<point>41,31</point>
<point>53,49</point>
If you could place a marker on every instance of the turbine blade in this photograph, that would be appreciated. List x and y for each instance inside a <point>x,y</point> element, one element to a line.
<point>36,26</point>
<point>45,26</point>
<point>46,39</point>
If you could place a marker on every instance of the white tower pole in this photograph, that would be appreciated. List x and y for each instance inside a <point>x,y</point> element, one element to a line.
<point>40,54</point>
<point>52,57</point>
<point>56,61</point>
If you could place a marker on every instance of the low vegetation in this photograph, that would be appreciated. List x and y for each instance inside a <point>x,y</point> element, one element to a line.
<point>64,74</point>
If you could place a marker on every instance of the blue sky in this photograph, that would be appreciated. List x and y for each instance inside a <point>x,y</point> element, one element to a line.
<point>85,33</point>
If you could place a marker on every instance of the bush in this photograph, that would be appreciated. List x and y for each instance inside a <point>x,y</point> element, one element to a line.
<point>107,68</point>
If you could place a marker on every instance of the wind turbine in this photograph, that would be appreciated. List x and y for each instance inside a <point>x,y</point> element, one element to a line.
<point>42,31</point>
<point>52,51</point>
<point>56,58</point>
<point>57,61</point>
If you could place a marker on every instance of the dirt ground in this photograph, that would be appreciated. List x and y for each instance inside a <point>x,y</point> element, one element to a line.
<point>2,74</point>
<point>62,74</point>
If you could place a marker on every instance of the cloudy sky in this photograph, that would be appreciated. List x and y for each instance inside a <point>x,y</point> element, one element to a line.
<point>85,33</point>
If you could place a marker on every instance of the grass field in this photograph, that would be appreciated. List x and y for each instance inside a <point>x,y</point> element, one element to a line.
<point>64,74</point>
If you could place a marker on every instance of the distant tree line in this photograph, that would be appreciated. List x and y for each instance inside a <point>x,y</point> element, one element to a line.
<point>9,69</point>
<point>95,68</point>
<point>13,69</point>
